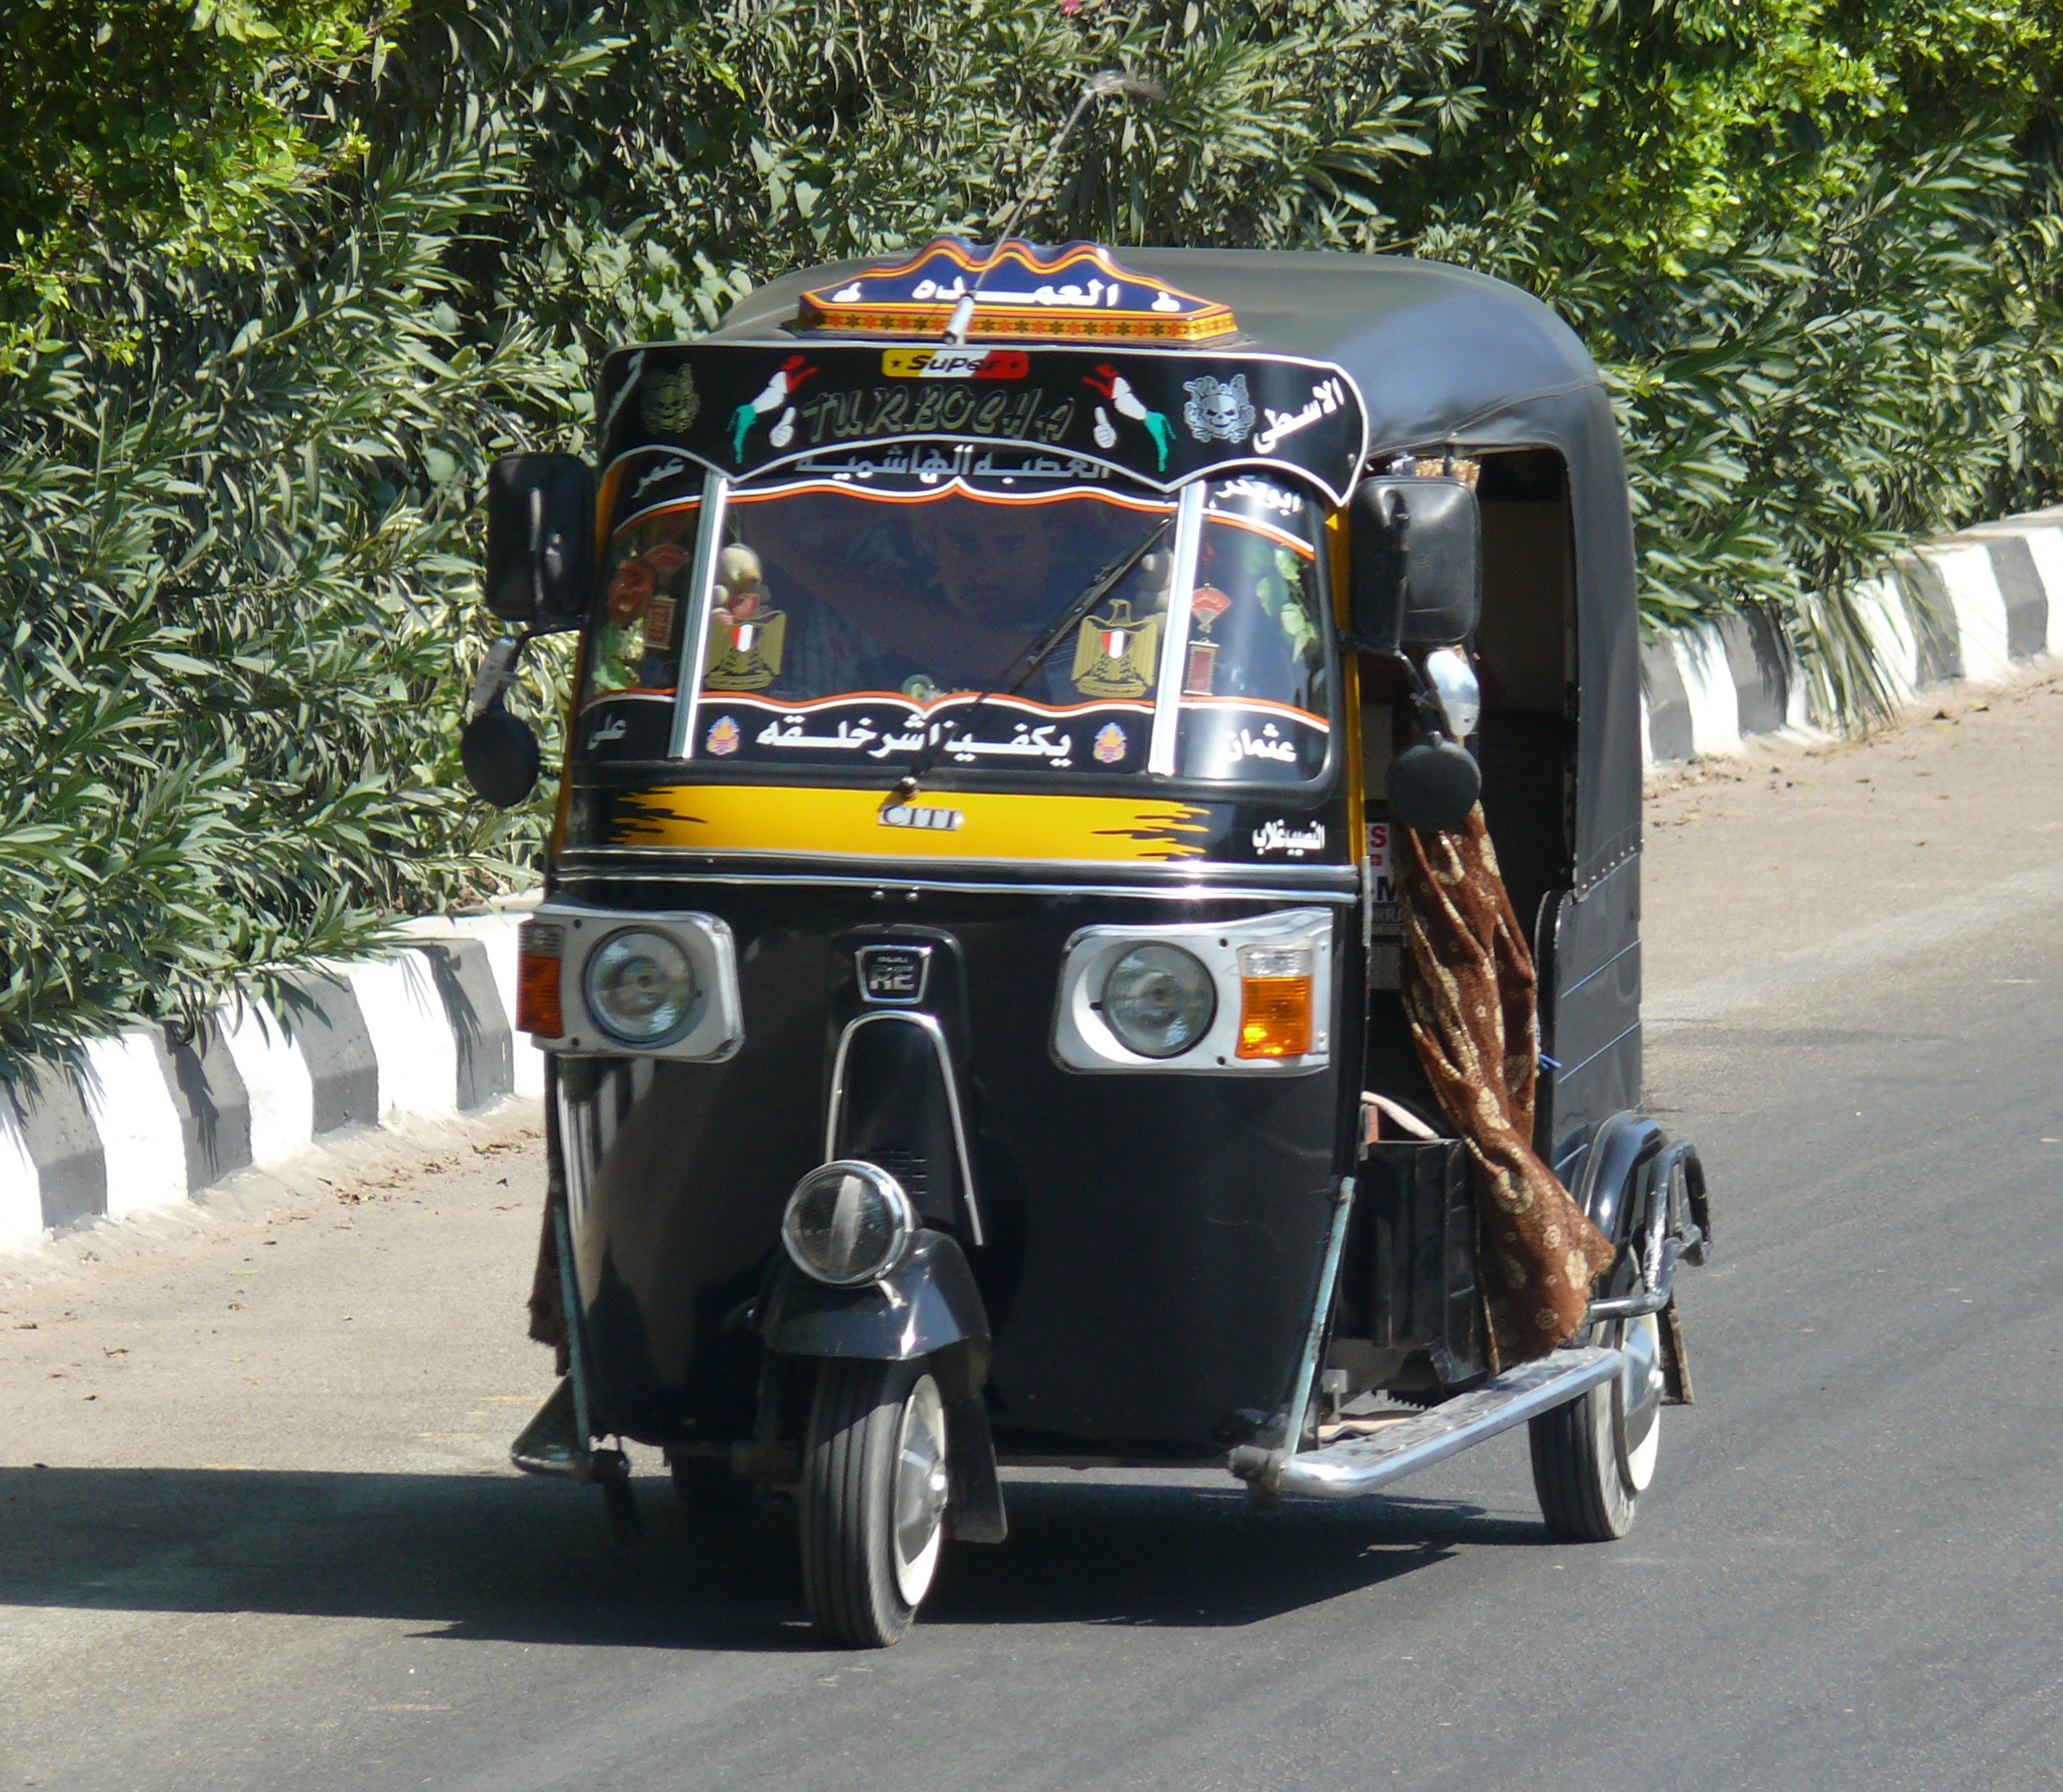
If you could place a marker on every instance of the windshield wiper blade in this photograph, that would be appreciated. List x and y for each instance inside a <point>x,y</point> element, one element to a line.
<point>1030,659</point>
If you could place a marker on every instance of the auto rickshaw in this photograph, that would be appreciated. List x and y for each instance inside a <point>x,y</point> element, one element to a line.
<point>979,949</point>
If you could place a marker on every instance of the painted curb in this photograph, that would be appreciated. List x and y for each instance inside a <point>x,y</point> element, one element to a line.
<point>1997,588</point>
<point>157,1118</point>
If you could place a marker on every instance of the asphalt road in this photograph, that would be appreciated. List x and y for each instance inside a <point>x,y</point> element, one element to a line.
<point>274,1546</point>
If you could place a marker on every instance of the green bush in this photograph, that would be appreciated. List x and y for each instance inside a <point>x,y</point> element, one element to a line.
<point>279,279</point>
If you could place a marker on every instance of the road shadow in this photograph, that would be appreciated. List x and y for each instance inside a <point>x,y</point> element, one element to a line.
<point>489,1557</point>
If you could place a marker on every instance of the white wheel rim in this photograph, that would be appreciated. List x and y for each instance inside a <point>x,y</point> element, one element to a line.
<point>917,1528</point>
<point>1637,1403</point>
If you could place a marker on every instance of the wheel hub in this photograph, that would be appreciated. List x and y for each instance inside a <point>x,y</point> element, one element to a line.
<point>921,1490</point>
<point>1638,1398</point>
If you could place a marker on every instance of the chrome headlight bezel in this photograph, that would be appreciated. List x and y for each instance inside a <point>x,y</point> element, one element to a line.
<point>855,1180</point>
<point>1082,1040</point>
<point>712,1029</point>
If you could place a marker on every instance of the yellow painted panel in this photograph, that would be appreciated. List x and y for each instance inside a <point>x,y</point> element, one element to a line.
<point>990,825</point>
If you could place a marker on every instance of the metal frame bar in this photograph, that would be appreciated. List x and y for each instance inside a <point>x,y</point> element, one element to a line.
<point>835,1112</point>
<point>709,545</point>
<point>1175,648</point>
<point>1322,1310</point>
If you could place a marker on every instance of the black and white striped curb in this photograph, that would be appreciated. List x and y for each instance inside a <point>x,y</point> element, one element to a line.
<point>157,1118</point>
<point>1997,590</point>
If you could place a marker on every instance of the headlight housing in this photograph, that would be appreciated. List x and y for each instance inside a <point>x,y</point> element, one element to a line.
<point>848,1223</point>
<point>641,987</point>
<point>1159,999</point>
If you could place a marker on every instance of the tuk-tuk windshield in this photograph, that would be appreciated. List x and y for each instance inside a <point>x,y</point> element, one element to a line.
<point>847,619</point>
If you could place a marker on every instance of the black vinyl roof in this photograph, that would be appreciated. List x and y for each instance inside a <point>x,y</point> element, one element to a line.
<point>1433,349</point>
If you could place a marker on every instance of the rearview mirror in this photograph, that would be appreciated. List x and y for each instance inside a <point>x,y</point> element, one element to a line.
<point>1433,783</point>
<point>539,539</point>
<point>500,757</point>
<point>1417,546</point>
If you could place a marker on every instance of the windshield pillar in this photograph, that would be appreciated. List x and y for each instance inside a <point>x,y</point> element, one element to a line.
<point>695,644</point>
<point>1168,697</point>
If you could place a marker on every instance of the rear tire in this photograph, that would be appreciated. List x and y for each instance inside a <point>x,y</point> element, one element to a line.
<point>874,1483</point>
<point>1593,1458</point>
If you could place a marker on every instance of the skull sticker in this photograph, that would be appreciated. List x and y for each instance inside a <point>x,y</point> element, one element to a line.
<point>1217,412</point>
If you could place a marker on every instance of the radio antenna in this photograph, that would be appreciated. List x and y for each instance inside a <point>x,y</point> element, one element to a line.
<point>1099,85</point>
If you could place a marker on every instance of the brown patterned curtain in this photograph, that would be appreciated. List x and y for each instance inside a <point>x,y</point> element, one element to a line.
<point>1470,994</point>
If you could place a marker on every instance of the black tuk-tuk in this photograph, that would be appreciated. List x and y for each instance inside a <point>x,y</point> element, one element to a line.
<point>980,945</point>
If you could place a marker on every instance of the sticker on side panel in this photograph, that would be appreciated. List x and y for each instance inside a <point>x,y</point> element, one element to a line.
<point>1280,837</point>
<point>1386,912</point>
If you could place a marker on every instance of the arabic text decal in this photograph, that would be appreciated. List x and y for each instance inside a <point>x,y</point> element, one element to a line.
<point>1163,416</point>
<point>1021,291</point>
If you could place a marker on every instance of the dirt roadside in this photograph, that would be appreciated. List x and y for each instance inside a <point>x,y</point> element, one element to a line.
<point>368,1312</point>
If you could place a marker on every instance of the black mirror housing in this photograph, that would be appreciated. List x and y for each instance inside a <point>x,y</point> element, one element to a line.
<point>500,756</point>
<point>540,540</point>
<point>1416,550</point>
<point>1433,783</point>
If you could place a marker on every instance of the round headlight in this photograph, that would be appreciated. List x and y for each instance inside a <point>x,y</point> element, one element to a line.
<point>848,1223</point>
<point>1159,999</point>
<point>641,987</point>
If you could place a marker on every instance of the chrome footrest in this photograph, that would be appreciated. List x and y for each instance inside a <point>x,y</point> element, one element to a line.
<point>551,1443</point>
<point>1362,1464</point>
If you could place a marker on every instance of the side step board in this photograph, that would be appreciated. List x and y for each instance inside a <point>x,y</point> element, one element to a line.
<point>1362,1464</point>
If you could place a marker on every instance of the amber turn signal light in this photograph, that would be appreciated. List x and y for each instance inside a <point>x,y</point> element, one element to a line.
<point>1274,1002</point>
<point>539,948</point>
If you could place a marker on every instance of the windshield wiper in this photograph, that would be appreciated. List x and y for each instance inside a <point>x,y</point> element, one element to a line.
<point>1030,659</point>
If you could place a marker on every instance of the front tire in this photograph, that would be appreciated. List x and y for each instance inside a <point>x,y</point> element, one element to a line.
<point>875,1483</point>
<point>1594,1458</point>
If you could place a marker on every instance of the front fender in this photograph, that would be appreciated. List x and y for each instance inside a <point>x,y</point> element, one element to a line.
<point>928,1302</point>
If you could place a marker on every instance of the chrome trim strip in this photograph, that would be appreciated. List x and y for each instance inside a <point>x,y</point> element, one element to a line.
<point>1344,1471</point>
<point>1165,892</point>
<point>1174,648</point>
<point>1597,971</point>
<point>716,490</point>
<point>835,1111</point>
<point>1569,1070</point>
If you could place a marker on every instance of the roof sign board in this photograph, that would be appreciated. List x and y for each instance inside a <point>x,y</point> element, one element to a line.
<point>741,409</point>
<point>1022,293</point>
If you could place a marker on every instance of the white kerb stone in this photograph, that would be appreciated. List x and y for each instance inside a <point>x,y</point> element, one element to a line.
<point>276,1080</point>
<point>141,1138</point>
<point>412,1035</point>
<point>21,1188</point>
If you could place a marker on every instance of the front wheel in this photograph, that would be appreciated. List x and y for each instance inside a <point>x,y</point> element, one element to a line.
<point>873,1493</point>
<point>1594,1458</point>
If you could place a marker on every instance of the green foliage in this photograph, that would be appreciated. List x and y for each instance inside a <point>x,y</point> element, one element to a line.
<point>277,277</point>
<point>238,565</point>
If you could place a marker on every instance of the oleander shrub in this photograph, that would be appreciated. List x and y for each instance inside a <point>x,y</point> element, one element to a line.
<point>279,277</point>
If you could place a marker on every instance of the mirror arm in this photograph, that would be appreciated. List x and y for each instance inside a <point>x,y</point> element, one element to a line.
<point>1424,704</point>
<point>497,673</point>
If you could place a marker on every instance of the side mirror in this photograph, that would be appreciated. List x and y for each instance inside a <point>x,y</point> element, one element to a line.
<point>1433,783</point>
<point>539,539</point>
<point>1416,547</point>
<point>500,757</point>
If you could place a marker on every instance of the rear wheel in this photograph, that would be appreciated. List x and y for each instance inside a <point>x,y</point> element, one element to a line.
<point>1594,1458</point>
<point>874,1492</point>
